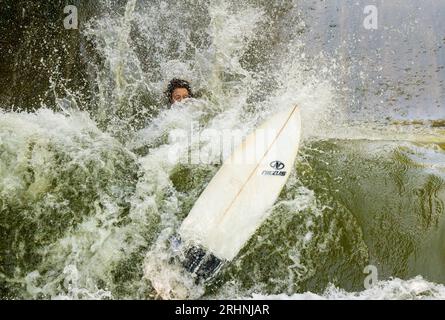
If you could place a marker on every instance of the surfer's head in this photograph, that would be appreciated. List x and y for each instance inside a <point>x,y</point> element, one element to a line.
<point>178,90</point>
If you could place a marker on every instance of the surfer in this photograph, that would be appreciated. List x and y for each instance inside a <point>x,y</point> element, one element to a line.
<point>178,90</point>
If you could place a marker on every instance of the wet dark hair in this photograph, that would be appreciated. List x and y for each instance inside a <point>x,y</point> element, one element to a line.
<point>175,84</point>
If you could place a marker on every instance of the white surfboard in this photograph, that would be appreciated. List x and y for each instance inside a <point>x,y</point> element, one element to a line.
<point>238,198</point>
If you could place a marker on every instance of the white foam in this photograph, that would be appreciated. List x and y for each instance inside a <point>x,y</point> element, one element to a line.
<point>395,289</point>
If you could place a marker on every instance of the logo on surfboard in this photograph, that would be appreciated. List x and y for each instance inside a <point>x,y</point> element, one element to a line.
<point>278,166</point>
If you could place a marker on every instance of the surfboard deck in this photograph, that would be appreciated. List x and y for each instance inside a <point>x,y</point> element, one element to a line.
<point>239,197</point>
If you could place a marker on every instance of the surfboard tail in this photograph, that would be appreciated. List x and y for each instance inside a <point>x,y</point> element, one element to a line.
<point>202,263</point>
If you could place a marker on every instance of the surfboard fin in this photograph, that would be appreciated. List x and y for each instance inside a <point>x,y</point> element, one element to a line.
<point>201,263</point>
<point>193,257</point>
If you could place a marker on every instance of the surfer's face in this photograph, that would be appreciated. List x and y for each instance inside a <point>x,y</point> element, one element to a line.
<point>179,94</point>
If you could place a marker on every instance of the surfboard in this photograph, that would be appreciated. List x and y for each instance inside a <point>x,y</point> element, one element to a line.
<point>239,197</point>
